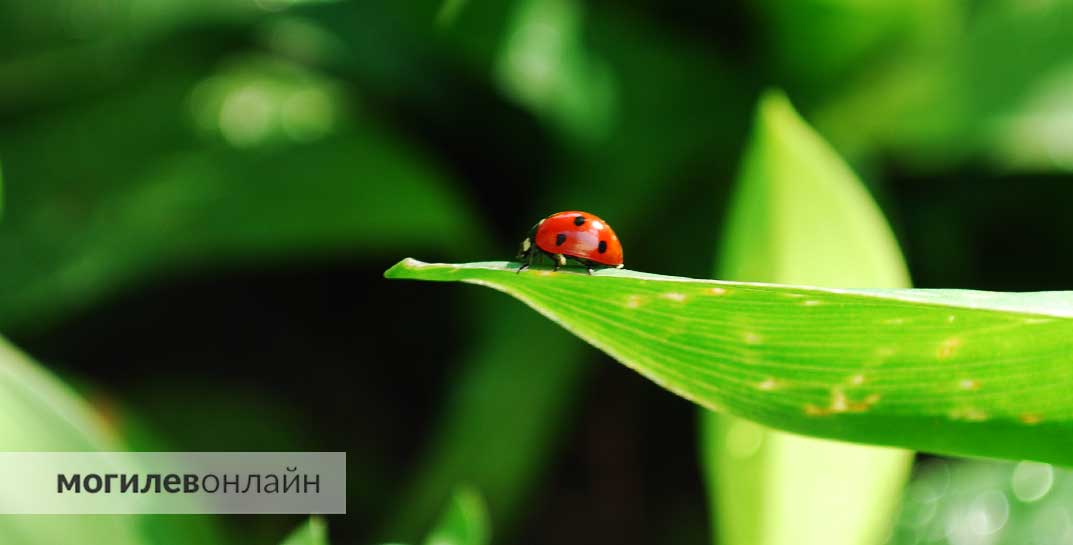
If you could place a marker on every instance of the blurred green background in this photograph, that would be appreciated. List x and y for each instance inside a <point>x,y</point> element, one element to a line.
<point>200,198</point>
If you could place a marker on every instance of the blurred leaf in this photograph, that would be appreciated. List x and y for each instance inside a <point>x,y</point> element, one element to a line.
<point>313,532</point>
<point>42,414</point>
<point>544,65</point>
<point>39,413</point>
<point>133,199</point>
<point>801,213</point>
<point>463,522</point>
<point>951,371</point>
<point>819,44</point>
<point>800,216</point>
<point>51,43</point>
<point>448,12</point>
<point>1037,136</point>
<point>52,24</point>
<point>940,104</point>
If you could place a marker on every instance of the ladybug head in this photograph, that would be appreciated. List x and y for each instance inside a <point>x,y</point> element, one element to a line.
<point>525,249</point>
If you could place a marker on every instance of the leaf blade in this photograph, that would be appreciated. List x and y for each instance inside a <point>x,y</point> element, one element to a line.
<point>800,214</point>
<point>39,413</point>
<point>463,522</point>
<point>313,532</point>
<point>789,356</point>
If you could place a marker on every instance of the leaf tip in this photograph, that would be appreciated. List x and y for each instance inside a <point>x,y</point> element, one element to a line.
<point>773,100</point>
<point>775,109</point>
<point>404,268</point>
<point>313,532</point>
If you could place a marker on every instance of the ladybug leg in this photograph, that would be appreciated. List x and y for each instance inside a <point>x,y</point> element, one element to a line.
<point>587,263</point>
<point>528,262</point>
<point>559,259</point>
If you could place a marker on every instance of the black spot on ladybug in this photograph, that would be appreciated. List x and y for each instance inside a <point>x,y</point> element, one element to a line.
<point>579,220</point>
<point>602,247</point>
<point>560,239</point>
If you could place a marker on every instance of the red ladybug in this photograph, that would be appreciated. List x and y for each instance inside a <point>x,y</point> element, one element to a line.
<point>580,236</point>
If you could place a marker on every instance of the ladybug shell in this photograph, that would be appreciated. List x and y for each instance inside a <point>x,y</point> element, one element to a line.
<point>581,235</point>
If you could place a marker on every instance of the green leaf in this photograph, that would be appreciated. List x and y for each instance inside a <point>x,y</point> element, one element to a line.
<point>463,522</point>
<point>135,201</point>
<point>545,66</point>
<point>39,413</point>
<point>801,216</point>
<point>955,95</point>
<point>950,371</point>
<point>313,532</point>
<point>819,44</point>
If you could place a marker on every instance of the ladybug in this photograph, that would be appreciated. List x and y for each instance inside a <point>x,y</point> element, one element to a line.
<point>581,236</point>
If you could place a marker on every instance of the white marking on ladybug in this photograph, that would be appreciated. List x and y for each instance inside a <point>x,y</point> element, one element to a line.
<point>526,245</point>
<point>597,224</point>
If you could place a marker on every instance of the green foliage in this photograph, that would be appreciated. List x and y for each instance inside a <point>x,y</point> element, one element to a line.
<point>39,413</point>
<point>313,532</point>
<point>955,94</point>
<point>800,216</point>
<point>463,522</point>
<point>208,208</point>
<point>552,73</point>
<point>942,371</point>
<point>148,141</point>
